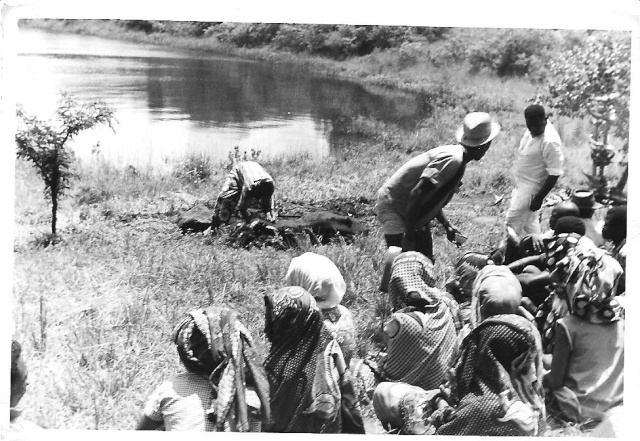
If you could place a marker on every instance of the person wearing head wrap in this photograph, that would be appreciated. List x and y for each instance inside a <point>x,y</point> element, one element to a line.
<point>496,384</point>
<point>559,249</point>
<point>496,290</point>
<point>311,388</point>
<point>224,388</point>
<point>406,409</point>
<point>322,279</point>
<point>587,368</point>
<point>421,335</point>
<point>494,389</point>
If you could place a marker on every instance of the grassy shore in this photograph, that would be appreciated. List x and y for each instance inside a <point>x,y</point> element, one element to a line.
<point>95,311</point>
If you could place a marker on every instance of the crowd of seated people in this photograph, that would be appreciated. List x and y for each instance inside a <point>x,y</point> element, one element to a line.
<point>514,336</point>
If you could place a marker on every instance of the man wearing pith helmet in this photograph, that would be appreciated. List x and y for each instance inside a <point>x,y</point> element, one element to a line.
<point>416,193</point>
<point>538,166</point>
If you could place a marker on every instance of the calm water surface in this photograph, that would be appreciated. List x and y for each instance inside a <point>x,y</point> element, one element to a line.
<point>174,103</point>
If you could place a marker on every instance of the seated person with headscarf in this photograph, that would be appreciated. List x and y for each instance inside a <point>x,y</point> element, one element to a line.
<point>322,279</point>
<point>587,369</point>
<point>248,185</point>
<point>421,333</point>
<point>556,305</point>
<point>310,383</point>
<point>224,388</point>
<point>495,388</point>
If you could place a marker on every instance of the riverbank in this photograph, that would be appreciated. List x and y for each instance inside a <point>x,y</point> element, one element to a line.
<point>417,67</point>
<point>96,310</point>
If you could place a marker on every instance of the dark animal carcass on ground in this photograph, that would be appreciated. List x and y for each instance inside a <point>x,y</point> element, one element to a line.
<point>319,227</point>
<point>196,220</point>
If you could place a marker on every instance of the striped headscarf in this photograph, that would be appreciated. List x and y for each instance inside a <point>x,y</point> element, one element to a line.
<point>305,366</point>
<point>497,381</point>
<point>213,342</point>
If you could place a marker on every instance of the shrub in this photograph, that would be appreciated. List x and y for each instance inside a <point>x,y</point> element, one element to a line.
<point>511,52</point>
<point>599,68</point>
<point>244,34</point>
<point>451,51</point>
<point>46,144</point>
<point>194,169</point>
<point>431,34</point>
<point>183,28</point>
<point>338,41</point>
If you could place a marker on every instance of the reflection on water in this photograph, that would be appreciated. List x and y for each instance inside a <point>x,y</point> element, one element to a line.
<point>172,103</point>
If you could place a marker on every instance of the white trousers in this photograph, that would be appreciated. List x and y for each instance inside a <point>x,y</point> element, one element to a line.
<point>519,216</point>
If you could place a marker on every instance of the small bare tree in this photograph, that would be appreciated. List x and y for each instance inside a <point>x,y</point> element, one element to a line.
<point>46,144</point>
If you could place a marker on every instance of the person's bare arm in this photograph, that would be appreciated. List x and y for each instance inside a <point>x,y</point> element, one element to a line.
<point>548,185</point>
<point>448,227</point>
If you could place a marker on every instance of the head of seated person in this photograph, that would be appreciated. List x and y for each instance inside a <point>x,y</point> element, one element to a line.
<point>562,209</point>
<point>615,224</point>
<point>496,291</point>
<point>570,224</point>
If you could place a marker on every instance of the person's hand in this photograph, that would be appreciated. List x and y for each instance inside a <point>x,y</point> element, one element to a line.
<point>451,234</point>
<point>536,203</point>
<point>537,243</point>
<point>271,217</point>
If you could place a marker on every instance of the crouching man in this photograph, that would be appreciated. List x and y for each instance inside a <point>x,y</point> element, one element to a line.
<point>248,185</point>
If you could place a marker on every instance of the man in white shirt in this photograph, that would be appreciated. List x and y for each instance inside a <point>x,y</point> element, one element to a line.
<point>538,165</point>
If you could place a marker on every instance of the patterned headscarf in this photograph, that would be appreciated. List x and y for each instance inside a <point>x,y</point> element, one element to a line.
<point>412,281</point>
<point>587,279</point>
<point>584,279</point>
<point>467,269</point>
<point>497,381</point>
<point>305,365</point>
<point>213,342</point>
<point>496,290</point>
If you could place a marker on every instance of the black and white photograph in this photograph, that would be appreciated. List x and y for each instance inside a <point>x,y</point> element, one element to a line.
<point>383,219</point>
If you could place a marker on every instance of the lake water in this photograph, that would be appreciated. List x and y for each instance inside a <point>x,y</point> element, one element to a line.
<point>176,103</point>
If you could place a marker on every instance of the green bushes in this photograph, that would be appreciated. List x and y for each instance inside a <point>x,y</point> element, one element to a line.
<point>244,34</point>
<point>338,41</point>
<point>194,169</point>
<point>512,52</point>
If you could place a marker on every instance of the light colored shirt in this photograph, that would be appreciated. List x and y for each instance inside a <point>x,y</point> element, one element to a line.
<point>182,403</point>
<point>440,165</point>
<point>595,372</point>
<point>537,158</point>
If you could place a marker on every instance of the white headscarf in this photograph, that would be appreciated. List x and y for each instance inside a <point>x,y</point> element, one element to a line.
<point>318,275</point>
